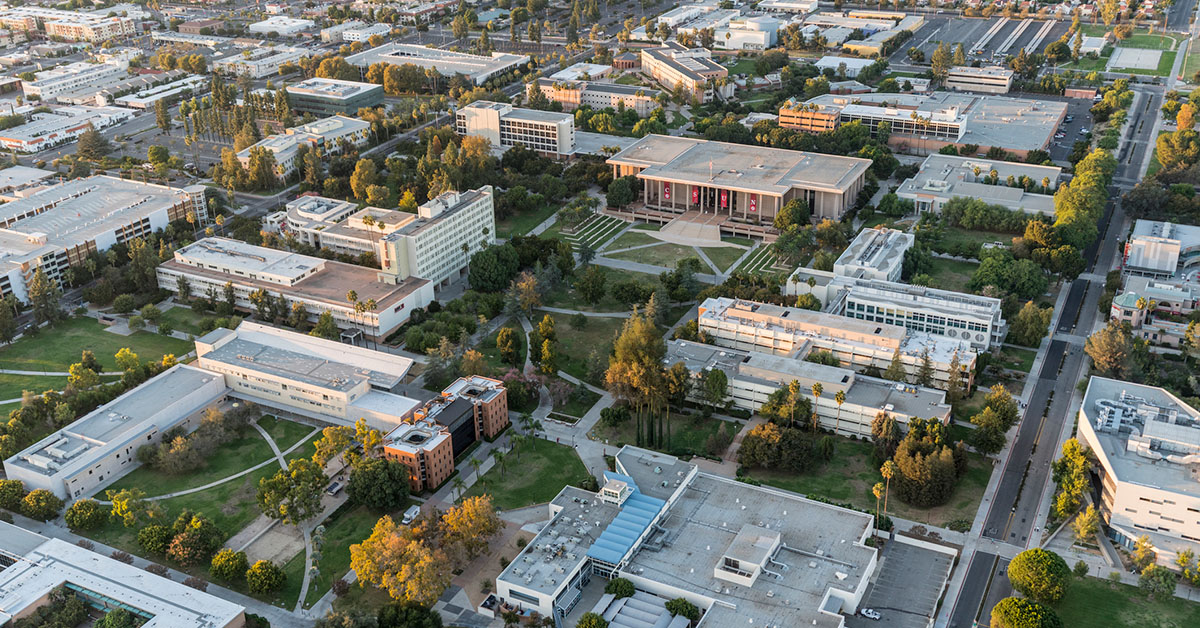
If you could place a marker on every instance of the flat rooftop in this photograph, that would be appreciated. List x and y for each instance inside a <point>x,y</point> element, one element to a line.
<point>988,71</point>
<point>736,166</point>
<point>332,88</point>
<point>300,357</point>
<point>880,249</point>
<point>54,562</point>
<point>949,176</point>
<point>416,437</point>
<point>675,55</point>
<point>1149,436</point>
<point>821,549</point>
<point>21,176</point>
<point>1187,235</point>
<point>446,62</point>
<point>240,258</point>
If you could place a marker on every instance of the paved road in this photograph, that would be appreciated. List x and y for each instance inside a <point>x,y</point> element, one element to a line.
<point>1179,15</point>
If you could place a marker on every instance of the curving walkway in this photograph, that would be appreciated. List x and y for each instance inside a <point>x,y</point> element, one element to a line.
<point>50,373</point>
<point>563,310</point>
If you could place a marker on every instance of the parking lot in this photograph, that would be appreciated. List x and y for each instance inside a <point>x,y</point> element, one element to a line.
<point>1004,41</point>
<point>907,587</point>
<point>1077,110</point>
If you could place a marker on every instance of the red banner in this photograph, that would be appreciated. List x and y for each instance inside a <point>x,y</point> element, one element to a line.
<point>753,202</point>
<point>667,191</point>
<point>695,195</point>
<point>724,198</point>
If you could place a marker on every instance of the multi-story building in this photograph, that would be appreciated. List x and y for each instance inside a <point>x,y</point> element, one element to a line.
<point>1156,310</point>
<point>992,79</point>
<point>34,566</point>
<point>469,409</point>
<point>503,125</point>
<point>747,184</point>
<point>333,34</point>
<point>477,68</point>
<point>326,380</point>
<point>69,25</point>
<point>968,318</point>
<point>365,32</point>
<point>1146,442</point>
<point>192,39</point>
<point>201,27</point>
<point>574,94</point>
<point>327,135</point>
<point>876,253</point>
<point>438,243</point>
<point>99,448</point>
<point>59,226</point>
<point>1021,187</point>
<point>47,129</point>
<point>1161,249</point>
<point>67,78</point>
<point>259,62</point>
<point>280,25</point>
<point>305,217</point>
<point>753,376</point>
<point>327,97</point>
<point>423,12</point>
<point>319,285</point>
<point>923,124</point>
<point>690,69</point>
<point>796,333</point>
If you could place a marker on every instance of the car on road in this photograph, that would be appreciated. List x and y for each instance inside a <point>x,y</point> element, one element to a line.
<point>333,488</point>
<point>870,613</point>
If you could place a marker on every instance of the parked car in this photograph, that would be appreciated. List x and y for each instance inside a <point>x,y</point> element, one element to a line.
<point>870,613</point>
<point>333,488</point>
<point>411,514</point>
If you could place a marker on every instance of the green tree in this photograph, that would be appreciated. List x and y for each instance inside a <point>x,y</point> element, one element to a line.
<point>895,371</point>
<point>1087,524</point>
<point>1158,580</point>
<point>508,344</point>
<point>954,380</point>
<point>591,284</point>
<point>86,514</point>
<point>265,577</point>
<point>326,327</point>
<point>92,145</point>
<point>619,588</point>
<point>130,506</point>
<point>364,176</point>
<point>229,565</point>
<point>1040,575</point>
<point>681,607</point>
<point>1143,554</point>
<point>379,483</point>
<point>404,615</point>
<point>1015,612</point>
<point>293,495</point>
<point>926,371</point>
<point>941,62</point>
<point>11,493</point>
<point>592,620</point>
<point>127,359</point>
<point>157,154</point>
<point>161,116</point>
<point>118,617</point>
<point>1111,349</point>
<point>155,538</point>
<point>43,295</point>
<point>41,504</point>
<point>621,192</point>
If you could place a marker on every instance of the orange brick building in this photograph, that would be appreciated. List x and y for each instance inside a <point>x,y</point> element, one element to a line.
<point>469,409</point>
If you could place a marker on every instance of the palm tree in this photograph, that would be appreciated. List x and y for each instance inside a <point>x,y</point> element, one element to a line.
<point>888,470</point>
<point>515,442</point>
<point>839,398</point>
<point>817,389</point>
<point>460,486</point>
<point>475,464</point>
<point>878,490</point>
<point>352,297</point>
<point>499,457</point>
<point>371,306</point>
<point>793,399</point>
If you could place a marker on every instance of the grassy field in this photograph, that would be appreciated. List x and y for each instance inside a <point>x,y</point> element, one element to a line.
<point>665,254</point>
<point>970,406</point>
<point>852,473</point>
<point>569,297</point>
<point>578,403</point>
<point>1087,64</point>
<point>1096,602</point>
<point>629,78</point>
<point>577,344</point>
<point>743,66</point>
<point>536,472</point>
<point>7,408</point>
<point>285,433</point>
<point>951,274</point>
<point>183,319</point>
<point>954,236</point>
<point>56,348</point>
<point>521,224</point>
<point>349,528</point>
<point>724,256</point>
<point>1165,62</point>
<point>13,386</point>
<point>688,433</point>
<point>1141,38</point>
<point>488,348</point>
<point>1191,63</point>
<point>1017,359</point>
<point>631,238</point>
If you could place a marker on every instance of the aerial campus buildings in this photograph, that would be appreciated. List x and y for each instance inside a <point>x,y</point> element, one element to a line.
<point>945,177</point>
<point>67,25</point>
<point>33,566</point>
<point>478,69</point>
<point>742,554</point>
<point>47,129</point>
<point>546,132</point>
<point>691,70</point>
<point>59,226</point>
<point>290,373</point>
<point>318,284</point>
<point>326,135</point>
<point>1147,444</point>
<point>925,123</point>
<point>1159,265</point>
<point>327,97</point>
<point>573,94</point>
<point>744,185</point>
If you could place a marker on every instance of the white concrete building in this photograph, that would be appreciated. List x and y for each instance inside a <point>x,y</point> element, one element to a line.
<point>876,253</point>
<point>71,77</point>
<point>304,218</point>
<point>582,72</point>
<point>447,62</point>
<point>259,62</point>
<point>320,285</point>
<point>326,135</point>
<point>575,94</point>
<point>945,177</point>
<point>1162,249</point>
<point>68,25</point>
<point>47,129</point>
<point>1147,444</point>
<point>852,65</point>
<point>691,69</point>
<point>788,6</point>
<point>322,379</point>
<point>35,565</point>
<point>333,34</point>
<point>959,316</point>
<point>363,33</point>
<point>438,243</point>
<point>547,132</point>
<point>280,25</point>
<point>58,226</point>
<point>99,448</point>
<point>992,79</point>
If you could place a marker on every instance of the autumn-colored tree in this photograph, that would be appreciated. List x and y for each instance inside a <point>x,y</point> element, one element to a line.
<point>467,528</point>
<point>400,560</point>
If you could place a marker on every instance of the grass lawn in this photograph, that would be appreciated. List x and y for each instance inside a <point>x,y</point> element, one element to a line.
<point>349,528</point>
<point>13,386</point>
<point>578,403</point>
<point>665,254</point>
<point>521,224</point>
<point>743,66</point>
<point>1165,62</point>
<point>852,473</point>
<point>304,451</point>
<point>7,408</point>
<point>951,274</point>
<point>56,348</point>
<point>536,472</point>
<point>629,78</point>
<point>724,256</point>
<point>1141,37</point>
<point>955,236</point>
<point>746,242</point>
<point>631,238</point>
<point>183,319</point>
<point>1087,64</point>
<point>1191,63</point>
<point>970,406</point>
<point>1096,602</point>
<point>285,433</point>
<point>1017,359</point>
<point>569,297</point>
<point>688,433</point>
<point>577,344</point>
<point>488,348</point>
<point>646,226</point>
<point>287,596</point>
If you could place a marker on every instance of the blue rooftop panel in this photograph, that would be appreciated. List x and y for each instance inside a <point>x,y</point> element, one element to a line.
<point>627,527</point>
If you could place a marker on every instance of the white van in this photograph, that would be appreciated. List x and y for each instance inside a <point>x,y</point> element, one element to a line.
<point>411,514</point>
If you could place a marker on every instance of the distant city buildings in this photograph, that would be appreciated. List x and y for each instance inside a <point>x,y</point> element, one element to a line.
<point>67,25</point>
<point>1012,185</point>
<point>57,227</point>
<point>47,129</point>
<point>546,132</point>
<point>32,566</point>
<point>1146,442</point>
<point>327,97</point>
<point>48,84</point>
<point>477,68</point>
<point>259,62</point>
<point>280,25</point>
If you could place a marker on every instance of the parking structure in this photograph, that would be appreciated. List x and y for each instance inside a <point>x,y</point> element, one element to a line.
<point>907,587</point>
